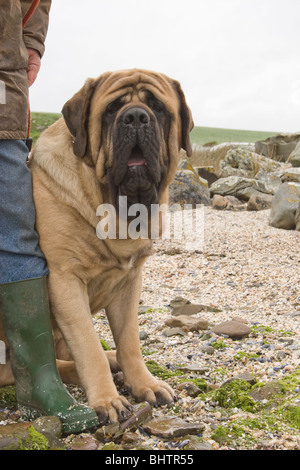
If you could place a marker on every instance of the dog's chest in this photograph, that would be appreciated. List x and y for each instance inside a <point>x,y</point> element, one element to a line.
<point>108,284</point>
<point>118,275</point>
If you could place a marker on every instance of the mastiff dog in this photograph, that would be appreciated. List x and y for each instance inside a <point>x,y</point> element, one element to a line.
<point>120,135</point>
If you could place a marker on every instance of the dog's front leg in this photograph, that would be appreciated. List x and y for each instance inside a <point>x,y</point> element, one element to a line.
<point>70,307</point>
<point>122,314</point>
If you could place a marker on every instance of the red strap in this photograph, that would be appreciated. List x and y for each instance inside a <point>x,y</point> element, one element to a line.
<point>30,12</point>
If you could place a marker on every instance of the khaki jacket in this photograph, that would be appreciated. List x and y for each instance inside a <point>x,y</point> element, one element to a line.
<point>14,41</point>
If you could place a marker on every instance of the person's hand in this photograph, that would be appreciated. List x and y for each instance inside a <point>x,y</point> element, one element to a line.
<point>33,67</point>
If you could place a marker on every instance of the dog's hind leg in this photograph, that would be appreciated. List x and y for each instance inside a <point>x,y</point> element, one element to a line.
<point>113,363</point>
<point>68,372</point>
<point>6,375</point>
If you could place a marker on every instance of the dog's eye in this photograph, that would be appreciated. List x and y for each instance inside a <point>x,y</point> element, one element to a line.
<point>153,103</point>
<point>113,107</point>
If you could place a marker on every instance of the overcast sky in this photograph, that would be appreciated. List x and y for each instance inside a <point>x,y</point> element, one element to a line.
<point>238,61</point>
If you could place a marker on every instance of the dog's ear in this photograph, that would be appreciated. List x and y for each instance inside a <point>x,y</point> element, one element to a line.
<point>187,123</point>
<point>75,113</point>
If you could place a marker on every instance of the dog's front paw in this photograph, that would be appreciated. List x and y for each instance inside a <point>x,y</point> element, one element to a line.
<point>155,392</point>
<point>113,411</point>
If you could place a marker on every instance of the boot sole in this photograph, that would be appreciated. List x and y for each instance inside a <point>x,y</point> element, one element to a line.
<point>79,425</point>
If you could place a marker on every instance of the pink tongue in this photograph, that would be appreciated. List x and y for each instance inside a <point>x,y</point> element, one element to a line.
<point>136,161</point>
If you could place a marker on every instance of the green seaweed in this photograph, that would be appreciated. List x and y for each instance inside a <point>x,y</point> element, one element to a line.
<point>105,346</point>
<point>161,372</point>
<point>36,441</point>
<point>8,397</point>
<point>235,394</point>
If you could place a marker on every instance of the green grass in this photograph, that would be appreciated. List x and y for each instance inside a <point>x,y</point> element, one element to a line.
<point>40,122</point>
<point>199,135</point>
<point>205,135</point>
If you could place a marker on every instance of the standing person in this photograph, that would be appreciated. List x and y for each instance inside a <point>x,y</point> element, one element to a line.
<point>24,307</point>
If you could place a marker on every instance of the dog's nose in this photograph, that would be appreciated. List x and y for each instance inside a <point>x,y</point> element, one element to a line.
<point>136,117</point>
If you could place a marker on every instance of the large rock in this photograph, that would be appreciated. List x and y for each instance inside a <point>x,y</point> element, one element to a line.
<point>227,203</point>
<point>284,206</point>
<point>297,218</point>
<point>260,202</point>
<point>242,188</point>
<point>271,180</point>
<point>207,173</point>
<point>291,174</point>
<point>278,147</point>
<point>294,157</point>
<point>242,162</point>
<point>231,185</point>
<point>189,188</point>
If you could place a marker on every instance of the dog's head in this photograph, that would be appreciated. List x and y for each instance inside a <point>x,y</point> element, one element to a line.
<point>130,125</point>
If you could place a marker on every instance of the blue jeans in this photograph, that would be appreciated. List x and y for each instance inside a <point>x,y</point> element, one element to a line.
<point>20,255</point>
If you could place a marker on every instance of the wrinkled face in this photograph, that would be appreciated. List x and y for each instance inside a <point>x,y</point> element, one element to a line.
<point>136,135</point>
<point>130,125</point>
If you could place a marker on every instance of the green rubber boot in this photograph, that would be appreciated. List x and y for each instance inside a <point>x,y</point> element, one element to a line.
<point>26,322</point>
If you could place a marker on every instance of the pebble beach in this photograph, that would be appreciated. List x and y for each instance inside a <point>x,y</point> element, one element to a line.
<point>244,273</point>
<point>247,271</point>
